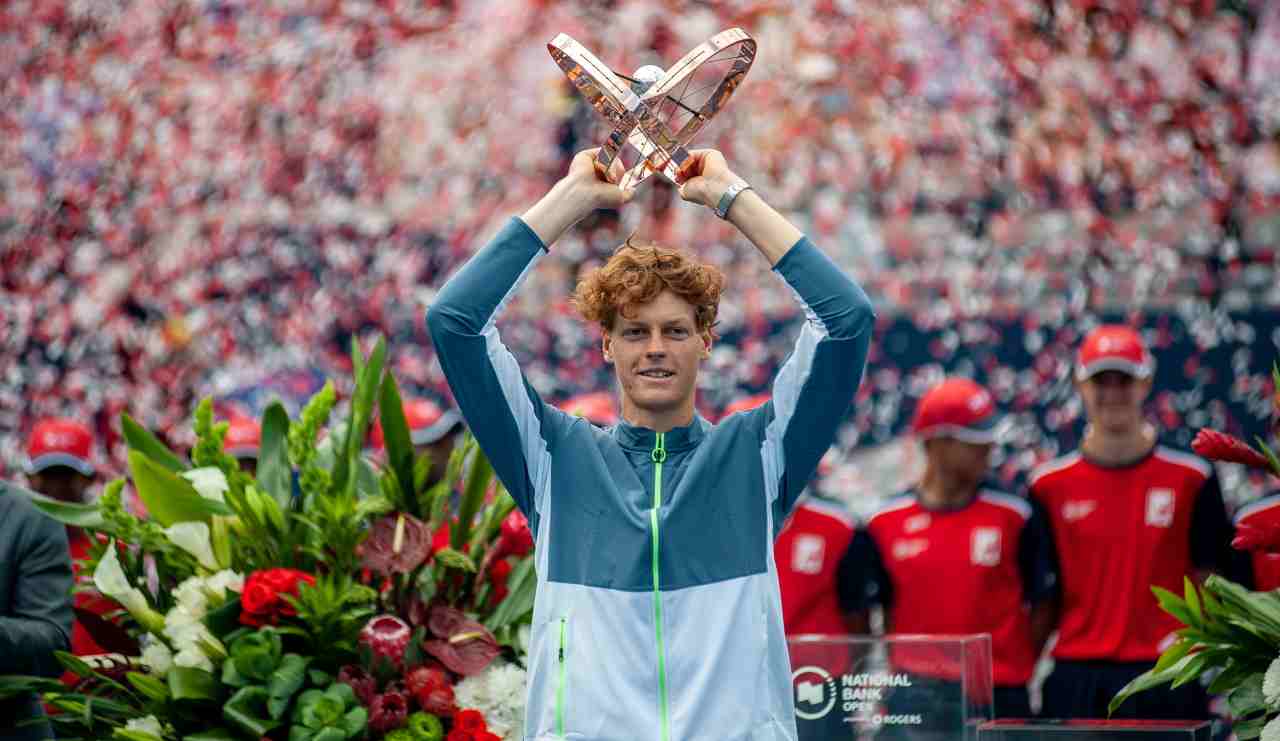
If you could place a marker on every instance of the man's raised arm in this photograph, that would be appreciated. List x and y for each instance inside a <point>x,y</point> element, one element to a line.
<point>815,386</point>
<point>502,410</point>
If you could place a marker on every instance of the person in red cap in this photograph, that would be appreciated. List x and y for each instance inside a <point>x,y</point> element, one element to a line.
<point>1127,514</point>
<point>59,459</point>
<point>243,442</point>
<point>60,465</point>
<point>433,430</point>
<point>955,555</point>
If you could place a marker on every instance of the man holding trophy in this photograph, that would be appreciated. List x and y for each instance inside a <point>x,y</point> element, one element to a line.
<point>657,612</point>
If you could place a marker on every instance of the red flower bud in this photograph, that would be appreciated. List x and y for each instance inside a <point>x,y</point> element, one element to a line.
<point>1219,446</point>
<point>516,538</point>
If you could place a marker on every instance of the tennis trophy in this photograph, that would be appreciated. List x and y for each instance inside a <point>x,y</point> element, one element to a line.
<point>656,113</point>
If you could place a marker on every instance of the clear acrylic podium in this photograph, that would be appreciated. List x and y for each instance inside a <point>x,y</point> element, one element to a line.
<point>1096,730</point>
<point>930,688</point>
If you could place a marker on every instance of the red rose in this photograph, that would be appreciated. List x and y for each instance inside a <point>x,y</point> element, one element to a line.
<point>257,604</point>
<point>458,734</point>
<point>469,720</point>
<point>487,736</point>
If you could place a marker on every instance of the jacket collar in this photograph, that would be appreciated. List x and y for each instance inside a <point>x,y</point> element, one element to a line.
<point>643,438</point>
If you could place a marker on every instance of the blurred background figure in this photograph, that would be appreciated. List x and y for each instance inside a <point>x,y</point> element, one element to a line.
<point>35,606</point>
<point>955,555</point>
<point>434,430</point>
<point>1127,513</point>
<point>60,455</point>
<point>244,442</point>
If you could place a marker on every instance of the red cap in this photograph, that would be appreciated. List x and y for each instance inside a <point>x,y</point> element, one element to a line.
<point>1113,347</point>
<point>746,404</point>
<point>60,442</point>
<point>244,438</point>
<point>427,421</point>
<point>597,407</point>
<point>957,408</point>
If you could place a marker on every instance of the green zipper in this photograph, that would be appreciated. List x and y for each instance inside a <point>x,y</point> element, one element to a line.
<point>659,455</point>
<point>561,683</point>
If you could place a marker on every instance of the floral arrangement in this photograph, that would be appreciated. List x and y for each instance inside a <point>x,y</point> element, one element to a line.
<point>322,599</point>
<point>1229,631</point>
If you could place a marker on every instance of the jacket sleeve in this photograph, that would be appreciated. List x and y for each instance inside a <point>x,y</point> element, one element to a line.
<point>501,408</point>
<point>815,386</point>
<point>38,621</point>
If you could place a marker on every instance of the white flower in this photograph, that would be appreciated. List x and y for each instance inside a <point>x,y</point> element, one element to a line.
<point>192,596</point>
<point>158,658</point>
<point>224,581</point>
<point>149,725</point>
<point>1271,684</point>
<point>194,658</point>
<point>1271,731</point>
<point>110,579</point>
<point>193,537</point>
<point>499,693</point>
<point>208,481</point>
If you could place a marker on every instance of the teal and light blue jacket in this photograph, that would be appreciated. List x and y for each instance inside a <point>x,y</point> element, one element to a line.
<point>657,614</point>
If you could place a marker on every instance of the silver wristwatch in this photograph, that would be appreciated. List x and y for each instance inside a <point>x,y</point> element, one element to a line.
<point>730,195</point>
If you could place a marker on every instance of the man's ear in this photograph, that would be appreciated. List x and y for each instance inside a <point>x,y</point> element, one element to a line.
<point>706,345</point>
<point>606,347</point>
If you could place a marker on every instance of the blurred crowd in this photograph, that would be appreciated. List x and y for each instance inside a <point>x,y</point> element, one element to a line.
<point>196,195</point>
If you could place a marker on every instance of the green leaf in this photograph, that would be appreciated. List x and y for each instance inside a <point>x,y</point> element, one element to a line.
<point>213,734</point>
<point>1175,606</point>
<point>1191,671</point>
<point>258,654</point>
<point>170,498</point>
<point>134,735</point>
<point>521,587</point>
<point>455,560</point>
<point>1173,654</point>
<point>193,685</point>
<point>275,474</point>
<point>1247,699</point>
<point>395,435</point>
<point>224,620</point>
<point>1192,597</point>
<point>74,664</point>
<point>285,681</point>
<point>319,678</point>
<point>1270,455</point>
<point>367,380</point>
<point>246,712</point>
<point>1246,730</point>
<point>329,734</point>
<point>148,686</point>
<point>12,685</point>
<point>1146,681</point>
<point>478,479</point>
<point>87,516</point>
<point>141,440</point>
<point>355,721</point>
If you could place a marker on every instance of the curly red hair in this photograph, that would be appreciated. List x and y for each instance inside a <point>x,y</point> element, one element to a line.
<point>637,273</point>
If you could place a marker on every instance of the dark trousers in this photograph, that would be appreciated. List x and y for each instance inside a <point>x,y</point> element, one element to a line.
<point>1083,689</point>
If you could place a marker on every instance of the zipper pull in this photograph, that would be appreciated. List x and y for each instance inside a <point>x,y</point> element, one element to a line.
<point>659,453</point>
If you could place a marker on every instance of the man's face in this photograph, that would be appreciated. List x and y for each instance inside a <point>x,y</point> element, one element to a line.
<point>962,463</point>
<point>655,349</point>
<point>1113,401</point>
<point>62,483</point>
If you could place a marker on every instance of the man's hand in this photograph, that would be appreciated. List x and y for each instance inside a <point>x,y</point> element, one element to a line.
<point>583,190</point>
<point>708,177</point>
